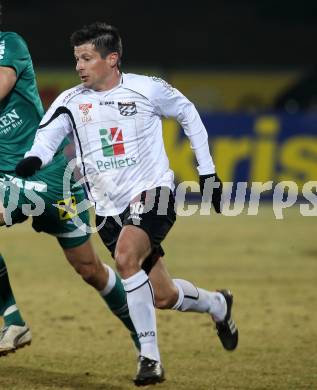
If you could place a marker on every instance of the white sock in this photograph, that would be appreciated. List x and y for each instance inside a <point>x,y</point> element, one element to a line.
<point>111,281</point>
<point>140,300</point>
<point>11,309</point>
<point>191,298</point>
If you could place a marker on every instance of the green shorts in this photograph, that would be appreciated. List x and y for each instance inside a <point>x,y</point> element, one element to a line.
<point>54,210</point>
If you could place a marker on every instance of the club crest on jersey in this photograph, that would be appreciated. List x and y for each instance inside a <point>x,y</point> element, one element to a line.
<point>67,208</point>
<point>127,109</point>
<point>84,108</point>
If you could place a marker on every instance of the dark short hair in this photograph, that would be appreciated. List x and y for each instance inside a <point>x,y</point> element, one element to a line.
<point>103,36</point>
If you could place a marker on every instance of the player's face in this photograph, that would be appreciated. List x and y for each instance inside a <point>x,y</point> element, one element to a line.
<point>95,72</point>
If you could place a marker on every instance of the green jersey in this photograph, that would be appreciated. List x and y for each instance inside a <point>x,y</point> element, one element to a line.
<point>20,114</point>
<point>21,110</point>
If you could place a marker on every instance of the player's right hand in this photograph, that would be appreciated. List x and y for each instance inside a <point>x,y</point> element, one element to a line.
<point>28,166</point>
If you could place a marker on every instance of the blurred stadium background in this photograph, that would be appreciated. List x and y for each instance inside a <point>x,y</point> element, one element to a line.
<point>250,67</point>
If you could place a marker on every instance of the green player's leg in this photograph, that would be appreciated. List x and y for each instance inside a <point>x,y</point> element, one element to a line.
<point>15,333</point>
<point>8,308</point>
<point>86,262</point>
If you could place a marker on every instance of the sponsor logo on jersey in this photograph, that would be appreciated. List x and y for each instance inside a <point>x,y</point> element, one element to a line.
<point>127,109</point>
<point>112,142</point>
<point>112,145</point>
<point>9,121</point>
<point>115,163</point>
<point>84,108</point>
<point>2,49</point>
<point>67,208</point>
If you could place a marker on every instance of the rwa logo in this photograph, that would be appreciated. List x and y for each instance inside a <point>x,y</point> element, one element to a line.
<point>112,142</point>
<point>112,145</point>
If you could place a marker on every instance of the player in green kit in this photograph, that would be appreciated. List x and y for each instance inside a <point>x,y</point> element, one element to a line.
<point>41,196</point>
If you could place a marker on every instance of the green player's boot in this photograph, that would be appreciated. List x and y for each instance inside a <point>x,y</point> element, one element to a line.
<point>13,337</point>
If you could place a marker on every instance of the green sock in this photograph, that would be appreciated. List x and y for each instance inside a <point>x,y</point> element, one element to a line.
<point>117,302</point>
<point>8,308</point>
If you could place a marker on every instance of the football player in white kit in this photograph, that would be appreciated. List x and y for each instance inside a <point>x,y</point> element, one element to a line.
<point>116,121</point>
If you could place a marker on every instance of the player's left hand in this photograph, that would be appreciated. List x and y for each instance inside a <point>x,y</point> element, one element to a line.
<point>28,166</point>
<point>211,185</point>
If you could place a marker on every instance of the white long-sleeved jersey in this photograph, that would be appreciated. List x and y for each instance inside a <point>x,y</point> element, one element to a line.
<point>118,137</point>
